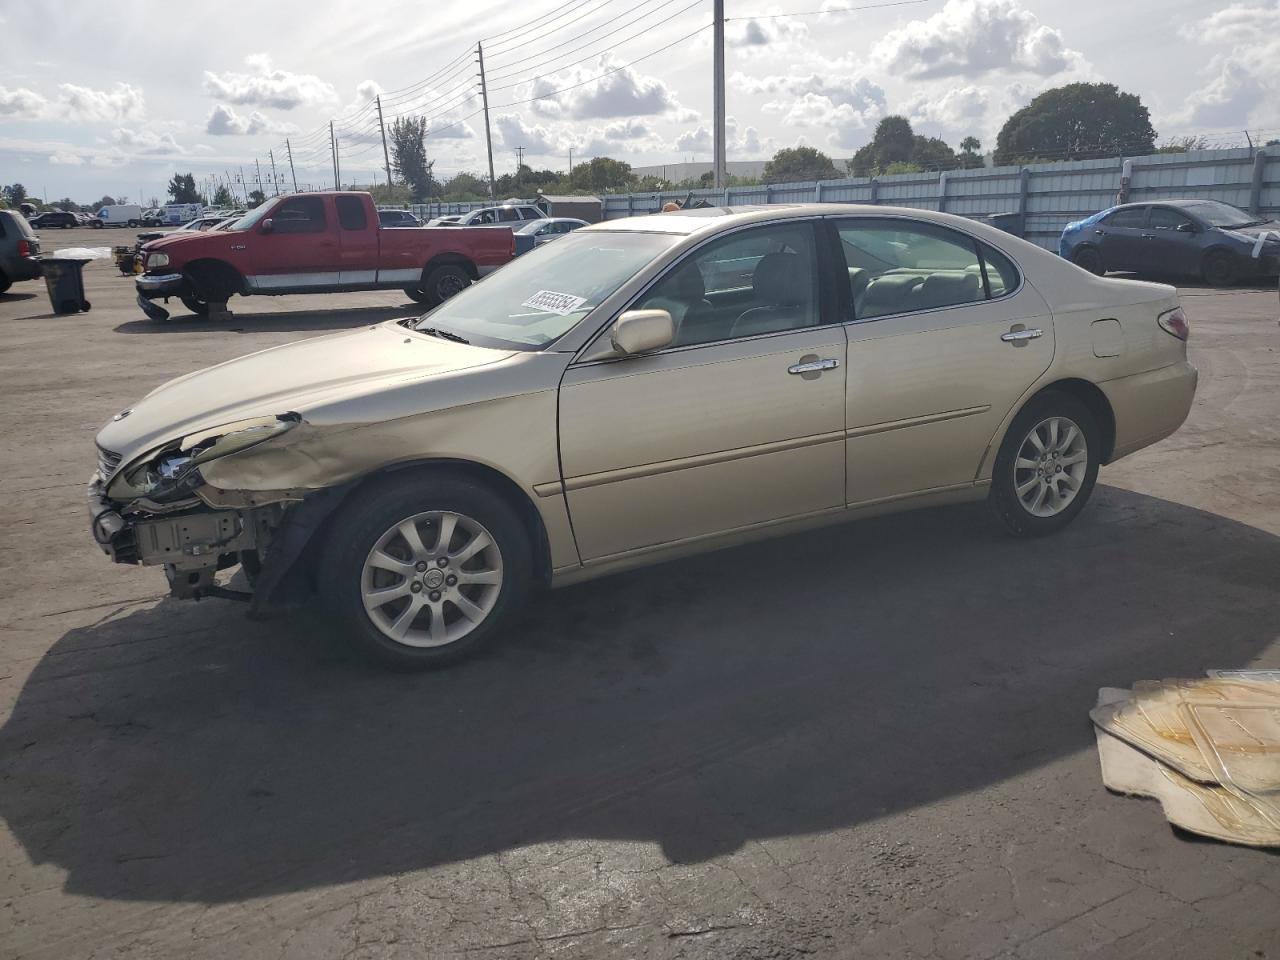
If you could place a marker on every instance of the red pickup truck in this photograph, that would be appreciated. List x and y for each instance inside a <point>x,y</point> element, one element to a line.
<point>315,243</point>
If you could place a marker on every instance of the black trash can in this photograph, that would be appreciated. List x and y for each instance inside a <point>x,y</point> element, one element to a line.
<point>64,279</point>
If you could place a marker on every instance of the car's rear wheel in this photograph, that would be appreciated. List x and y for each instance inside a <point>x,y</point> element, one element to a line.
<point>416,295</point>
<point>133,223</point>
<point>424,570</point>
<point>1046,467</point>
<point>445,281</point>
<point>1088,258</point>
<point>1218,269</point>
<point>5,282</point>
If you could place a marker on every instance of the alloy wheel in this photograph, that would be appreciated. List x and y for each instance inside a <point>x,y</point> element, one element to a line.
<point>1050,467</point>
<point>431,579</point>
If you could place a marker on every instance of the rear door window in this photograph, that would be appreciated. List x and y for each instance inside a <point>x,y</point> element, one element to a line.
<point>1166,218</point>
<point>1130,218</point>
<point>299,215</point>
<point>508,214</point>
<point>351,215</point>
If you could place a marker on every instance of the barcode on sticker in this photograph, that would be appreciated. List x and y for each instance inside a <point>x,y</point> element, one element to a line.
<point>552,302</point>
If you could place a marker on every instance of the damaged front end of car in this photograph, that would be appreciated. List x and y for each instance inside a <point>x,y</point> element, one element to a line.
<point>159,509</point>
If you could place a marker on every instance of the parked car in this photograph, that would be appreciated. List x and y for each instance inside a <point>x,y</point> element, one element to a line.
<point>119,215</point>
<point>638,390</point>
<point>1205,239</point>
<point>314,243</point>
<point>199,225</point>
<point>19,250</point>
<point>397,218</point>
<point>506,215</point>
<point>537,232</point>
<point>154,217</point>
<point>448,220</point>
<point>55,218</point>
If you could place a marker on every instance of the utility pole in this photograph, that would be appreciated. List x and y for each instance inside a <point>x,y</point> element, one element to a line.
<point>484,97</point>
<point>571,168</point>
<point>519,164</point>
<point>244,187</point>
<point>333,150</point>
<point>259,169</point>
<point>386,157</point>
<point>275,184</point>
<point>292,173</point>
<point>717,68</point>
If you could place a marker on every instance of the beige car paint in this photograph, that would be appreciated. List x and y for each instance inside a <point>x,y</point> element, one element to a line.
<point>689,448</point>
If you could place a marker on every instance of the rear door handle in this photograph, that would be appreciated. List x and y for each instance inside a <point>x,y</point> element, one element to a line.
<point>1019,337</point>
<point>813,366</point>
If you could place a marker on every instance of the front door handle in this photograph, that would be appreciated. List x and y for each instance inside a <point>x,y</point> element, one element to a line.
<point>1020,337</point>
<point>813,366</point>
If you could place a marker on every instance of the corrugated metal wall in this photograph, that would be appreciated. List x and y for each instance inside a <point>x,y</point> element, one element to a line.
<point>1048,195</point>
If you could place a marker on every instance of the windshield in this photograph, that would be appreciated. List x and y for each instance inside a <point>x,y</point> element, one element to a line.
<point>540,296</point>
<point>1218,214</point>
<point>250,219</point>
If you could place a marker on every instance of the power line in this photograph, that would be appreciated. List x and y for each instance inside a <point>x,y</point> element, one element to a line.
<point>832,10</point>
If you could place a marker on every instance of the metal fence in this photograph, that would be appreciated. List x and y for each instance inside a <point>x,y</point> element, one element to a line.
<point>1044,196</point>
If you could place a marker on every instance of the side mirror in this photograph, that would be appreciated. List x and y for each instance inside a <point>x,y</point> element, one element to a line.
<point>642,331</point>
<point>267,225</point>
<point>1187,228</point>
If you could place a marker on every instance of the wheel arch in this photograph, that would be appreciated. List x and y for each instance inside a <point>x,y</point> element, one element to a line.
<point>451,259</point>
<point>213,267</point>
<point>1091,395</point>
<point>297,576</point>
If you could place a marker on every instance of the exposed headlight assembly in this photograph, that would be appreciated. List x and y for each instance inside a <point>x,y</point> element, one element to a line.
<point>173,472</point>
<point>158,260</point>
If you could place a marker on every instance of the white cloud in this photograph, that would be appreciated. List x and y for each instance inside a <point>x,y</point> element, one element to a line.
<point>66,158</point>
<point>22,104</point>
<point>969,38</point>
<point>146,142</point>
<point>269,86</point>
<point>511,131</point>
<point>1241,88</point>
<point>955,109</point>
<point>624,93</point>
<point>845,108</point>
<point>223,121</point>
<point>123,102</point>
<point>744,143</point>
<point>443,128</point>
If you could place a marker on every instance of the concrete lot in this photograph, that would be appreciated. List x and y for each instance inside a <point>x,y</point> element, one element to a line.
<point>871,741</point>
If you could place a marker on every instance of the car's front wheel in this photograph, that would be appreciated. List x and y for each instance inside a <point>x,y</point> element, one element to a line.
<point>445,281</point>
<point>1046,467</point>
<point>1218,268</point>
<point>424,569</point>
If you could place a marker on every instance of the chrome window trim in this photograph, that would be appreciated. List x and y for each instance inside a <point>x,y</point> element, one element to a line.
<point>1022,274</point>
<point>676,262</point>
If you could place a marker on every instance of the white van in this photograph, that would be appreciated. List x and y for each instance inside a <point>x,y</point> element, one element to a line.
<point>119,215</point>
<point>178,213</point>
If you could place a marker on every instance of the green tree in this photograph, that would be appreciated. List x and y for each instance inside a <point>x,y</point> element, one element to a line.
<point>409,157</point>
<point>256,197</point>
<point>1183,144</point>
<point>465,186</point>
<point>182,188</point>
<point>893,142</point>
<point>931,153</point>
<point>799,163</point>
<point>603,175</point>
<point>222,197</point>
<point>15,193</point>
<point>66,203</point>
<point>106,201</point>
<point>970,153</point>
<point>1078,121</point>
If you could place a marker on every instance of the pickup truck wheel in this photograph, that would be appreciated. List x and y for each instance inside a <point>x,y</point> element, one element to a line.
<point>199,307</point>
<point>444,282</point>
<point>5,282</point>
<point>416,295</point>
<point>423,570</point>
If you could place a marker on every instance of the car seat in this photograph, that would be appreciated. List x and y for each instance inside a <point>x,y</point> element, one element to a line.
<point>781,286</point>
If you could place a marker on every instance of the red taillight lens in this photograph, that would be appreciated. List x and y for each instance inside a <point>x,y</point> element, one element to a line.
<point>1175,322</point>
<point>24,248</point>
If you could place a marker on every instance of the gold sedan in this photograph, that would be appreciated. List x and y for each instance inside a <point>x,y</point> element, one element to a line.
<point>642,389</point>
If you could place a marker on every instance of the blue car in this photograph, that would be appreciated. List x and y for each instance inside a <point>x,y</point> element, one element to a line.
<point>1205,239</point>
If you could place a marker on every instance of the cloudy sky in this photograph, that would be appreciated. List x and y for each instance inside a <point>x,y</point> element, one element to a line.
<point>114,97</point>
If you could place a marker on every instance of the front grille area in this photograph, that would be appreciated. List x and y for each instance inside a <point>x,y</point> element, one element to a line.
<point>107,462</point>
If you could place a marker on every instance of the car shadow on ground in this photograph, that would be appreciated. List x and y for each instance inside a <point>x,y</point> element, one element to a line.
<point>18,297</point>
<point>243,322</point>
<point>180,752</point>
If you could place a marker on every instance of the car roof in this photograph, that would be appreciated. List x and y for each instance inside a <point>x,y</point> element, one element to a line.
<point>714,219</point>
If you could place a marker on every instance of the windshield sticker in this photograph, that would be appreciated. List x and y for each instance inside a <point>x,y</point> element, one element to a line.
<point>548,301</point>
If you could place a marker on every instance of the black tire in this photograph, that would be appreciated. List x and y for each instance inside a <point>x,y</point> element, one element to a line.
<point>374,512</point>
<point>1003,500</point>
<point>5,282</point>
<point>445,281</point>
<point>97,224</point>
<point>1218,269</point>
<point>197,306</point>
<point>1089,258</point>
<point>133,223</point>
<point>416,295</point>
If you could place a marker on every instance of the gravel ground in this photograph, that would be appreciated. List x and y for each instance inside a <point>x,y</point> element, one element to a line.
<point>871,741</point>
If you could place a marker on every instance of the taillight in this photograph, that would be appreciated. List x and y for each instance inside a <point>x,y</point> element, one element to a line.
<point>1175,322</point>
<point>24,248</point>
